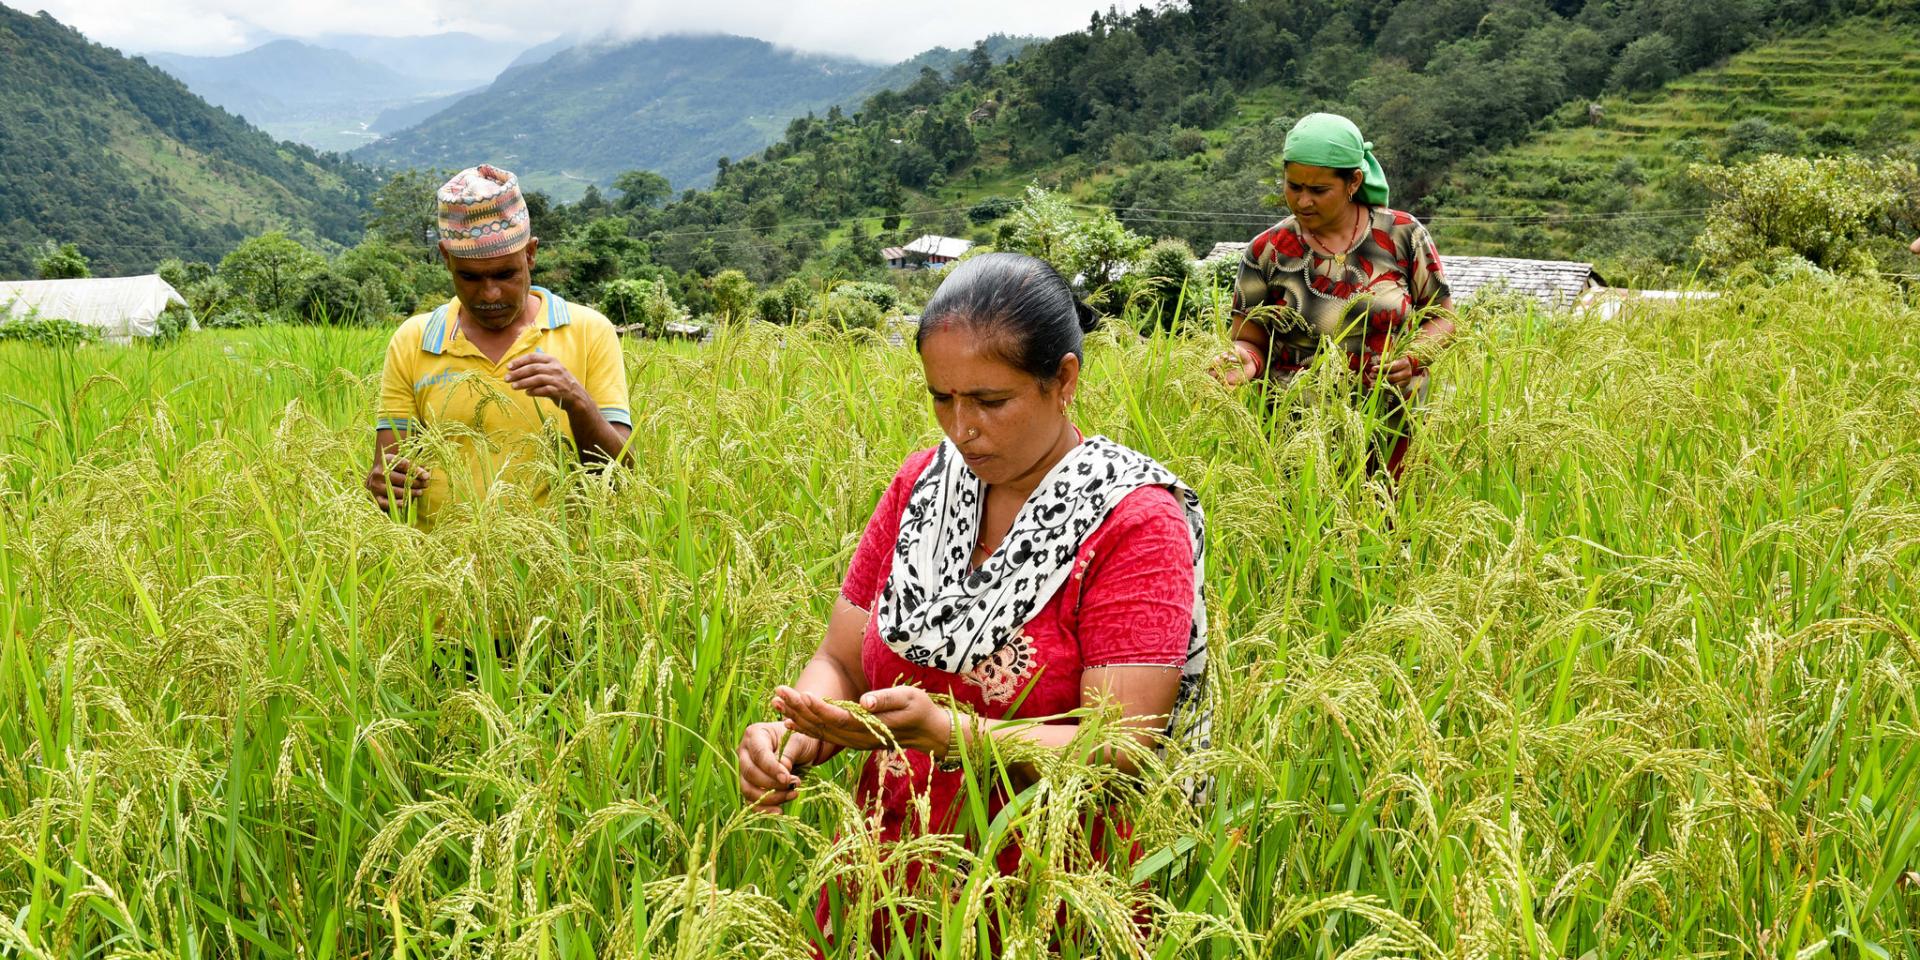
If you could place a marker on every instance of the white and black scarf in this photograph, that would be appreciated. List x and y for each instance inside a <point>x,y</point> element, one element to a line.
<point>936,612</point>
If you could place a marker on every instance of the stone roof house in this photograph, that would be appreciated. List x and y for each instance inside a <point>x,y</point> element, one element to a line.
<point>1555,284</point>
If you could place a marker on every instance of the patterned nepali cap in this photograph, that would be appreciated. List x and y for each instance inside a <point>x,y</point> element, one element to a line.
<point>482,214</point>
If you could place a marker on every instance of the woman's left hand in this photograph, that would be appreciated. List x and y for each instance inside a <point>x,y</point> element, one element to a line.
<point>808,714</point>
<point>916,721</point>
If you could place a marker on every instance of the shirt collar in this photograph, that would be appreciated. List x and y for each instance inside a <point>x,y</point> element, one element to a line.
<point>434,339</point>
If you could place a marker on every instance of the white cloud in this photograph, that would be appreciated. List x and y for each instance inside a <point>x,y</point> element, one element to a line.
<point>862,28</point>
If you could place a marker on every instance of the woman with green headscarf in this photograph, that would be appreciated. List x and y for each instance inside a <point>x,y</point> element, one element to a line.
<point>1344,268</point>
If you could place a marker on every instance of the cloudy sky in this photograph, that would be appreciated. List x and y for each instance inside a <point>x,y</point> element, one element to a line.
<point>863,28</point>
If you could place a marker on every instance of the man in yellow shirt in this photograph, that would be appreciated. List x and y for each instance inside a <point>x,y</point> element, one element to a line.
<point>498,372</point>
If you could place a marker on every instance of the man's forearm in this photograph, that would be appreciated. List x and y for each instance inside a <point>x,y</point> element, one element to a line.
<point>597,437</point>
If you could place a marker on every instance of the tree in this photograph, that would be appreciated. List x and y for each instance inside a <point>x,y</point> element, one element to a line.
<point>976,67</point>
<point>181,274</point>
<point>1165,283</point>
<point>732,294</point>
<point>1101,246</point>
<point>269,270</point>
<point>1042,226</point>
<point>390,267</point>
<point>1822,210</point>
<point>641,188</point>
<point>647,304</point>
<point>328,296</point>
<point>405,212</point>
<point>61,262</point>
<point>1646,63</point>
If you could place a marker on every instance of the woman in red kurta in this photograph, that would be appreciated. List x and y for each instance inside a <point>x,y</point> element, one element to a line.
<point>1019,568</point>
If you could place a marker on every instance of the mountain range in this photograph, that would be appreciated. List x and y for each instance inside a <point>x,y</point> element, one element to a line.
<point>335,92</point>
<point>112,154</point>
<point>571,111</point>
<point>301,92</point>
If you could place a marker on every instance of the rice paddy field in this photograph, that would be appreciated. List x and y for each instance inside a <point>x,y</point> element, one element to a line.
<point>1628,667</point>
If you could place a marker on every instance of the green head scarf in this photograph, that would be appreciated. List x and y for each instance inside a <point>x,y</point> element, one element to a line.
<point>1330,140</point>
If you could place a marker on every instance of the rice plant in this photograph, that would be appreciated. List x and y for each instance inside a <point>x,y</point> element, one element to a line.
<point>1626,667</point>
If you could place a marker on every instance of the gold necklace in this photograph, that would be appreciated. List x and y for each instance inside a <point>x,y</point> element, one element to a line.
<point>1339,260</point>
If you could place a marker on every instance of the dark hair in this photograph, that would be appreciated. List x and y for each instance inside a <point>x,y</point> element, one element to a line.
<point>1020,304</point>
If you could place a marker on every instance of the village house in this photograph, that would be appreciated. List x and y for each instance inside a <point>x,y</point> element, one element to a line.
<point>1555,284</point>
<point>929,251</point>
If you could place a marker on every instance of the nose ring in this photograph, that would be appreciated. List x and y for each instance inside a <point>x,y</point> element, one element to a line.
<point>972,432</point>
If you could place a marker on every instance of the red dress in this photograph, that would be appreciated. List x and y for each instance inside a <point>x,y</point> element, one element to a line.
<point>1128,602</point>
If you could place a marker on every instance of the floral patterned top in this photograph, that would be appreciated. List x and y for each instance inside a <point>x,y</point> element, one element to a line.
<point>1361,299</point>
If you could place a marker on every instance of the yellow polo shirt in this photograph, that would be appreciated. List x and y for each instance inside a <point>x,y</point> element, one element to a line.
<point>477,429</point>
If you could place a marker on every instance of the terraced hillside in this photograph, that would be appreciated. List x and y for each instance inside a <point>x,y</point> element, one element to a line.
<point>1616,191</point>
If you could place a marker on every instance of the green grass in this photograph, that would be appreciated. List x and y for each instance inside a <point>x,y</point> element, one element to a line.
<point>1860,75</point>
<point>1628,668</point>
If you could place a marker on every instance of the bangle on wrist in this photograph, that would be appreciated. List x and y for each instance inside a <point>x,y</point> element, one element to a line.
<point>953,760</point>
<point>1247,352</point>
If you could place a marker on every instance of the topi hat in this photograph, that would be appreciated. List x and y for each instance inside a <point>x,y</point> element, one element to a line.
<point>482,214</point>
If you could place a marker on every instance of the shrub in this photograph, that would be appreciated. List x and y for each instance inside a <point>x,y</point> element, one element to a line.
<point>1756,135</point>
<point>47,331</point>
<point>1822,210</point>
<point>881,295</point>
<point>173,321</point>
<point>375,305</point>
<point>1222,273</point>
<point>787,303</point>
<point>990,209</point>
<point>208,297</point>
<point>848,311</point>
<point>239,317</point>
<point>1186,141</point>
<point>645,304</point>
<point>1833,137</point>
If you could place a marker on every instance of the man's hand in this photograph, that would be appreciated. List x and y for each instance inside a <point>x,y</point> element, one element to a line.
<point>540,375</point>
<point>394,482</point>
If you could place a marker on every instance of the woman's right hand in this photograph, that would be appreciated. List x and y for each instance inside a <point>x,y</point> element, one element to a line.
<point>769,774</point>
<point>1237,366</point>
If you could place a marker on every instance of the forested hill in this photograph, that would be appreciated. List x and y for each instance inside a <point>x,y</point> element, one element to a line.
<point>1171,115</point>
<point>672,104</point>
<point>118,157</point>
